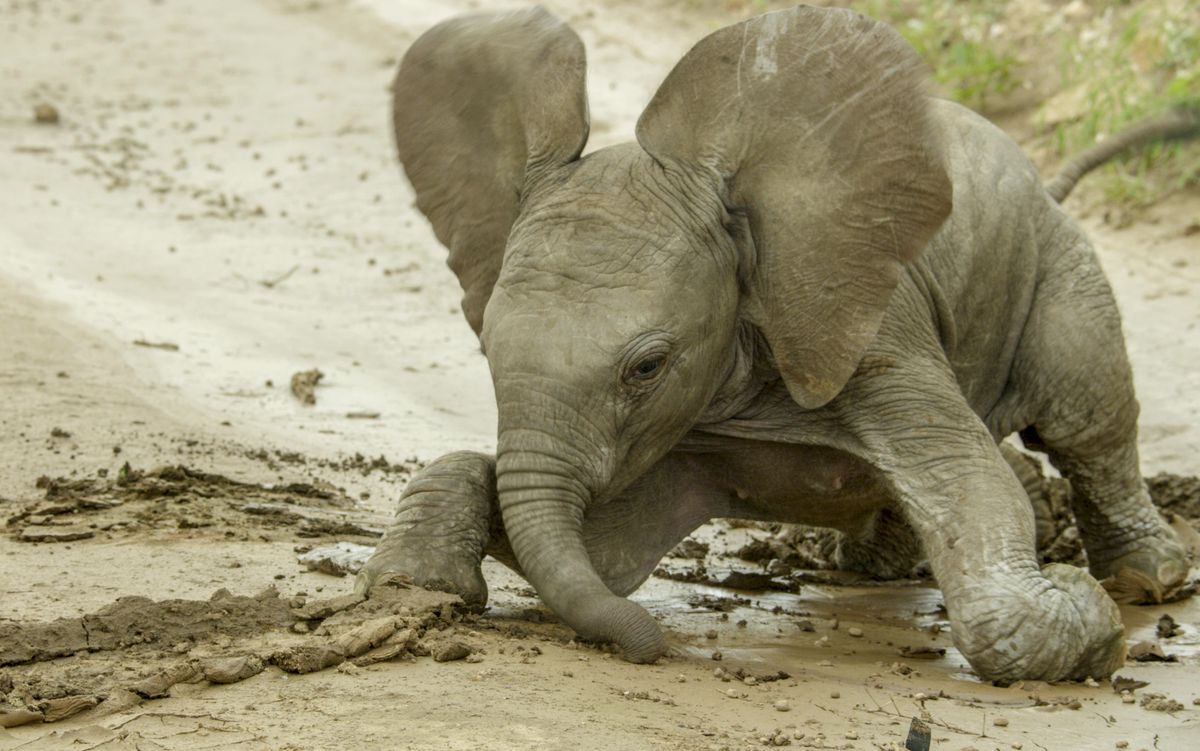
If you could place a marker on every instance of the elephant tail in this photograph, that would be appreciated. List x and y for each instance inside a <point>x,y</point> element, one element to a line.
<point>1176,124</point>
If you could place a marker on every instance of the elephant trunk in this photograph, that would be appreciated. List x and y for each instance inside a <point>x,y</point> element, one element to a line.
<point>542,502</point>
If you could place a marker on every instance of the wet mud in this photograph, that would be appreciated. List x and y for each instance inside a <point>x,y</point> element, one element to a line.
<point>181,498</point>
<point>137,649</point>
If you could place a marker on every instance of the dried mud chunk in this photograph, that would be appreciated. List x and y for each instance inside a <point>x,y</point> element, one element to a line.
<point>36,533</point>
<point>231,669</point>
<point>54,710</point>
<point>159,684</point>
<point>396,645</point>
<point>304,384</point>
<point>1149,651</point>
<point>306,659</point>
<point>12,717</point>
<point>321,609</point>
<point>21,643</point>
<point>119,700</point>
<point>1160,703</point>
<point>450,651</point>
<point>367,636</point>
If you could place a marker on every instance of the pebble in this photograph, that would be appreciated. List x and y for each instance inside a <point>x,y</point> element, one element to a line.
<point>1000,722</point>
<point>717,656</point>
<point>1122,744</point>
<point>710,634</point>
<point>45,114</point>
<point>855,631</point>
<point>834,695</point>
<point>822,642</point>
<point>733,693</point>
<point>1127,698</point>
<point>681,678</point>
<point>851,735</point>
<point>750,680</point>
<point>783,706</point>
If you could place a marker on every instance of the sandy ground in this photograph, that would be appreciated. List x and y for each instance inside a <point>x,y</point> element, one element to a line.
<point>222,180</point>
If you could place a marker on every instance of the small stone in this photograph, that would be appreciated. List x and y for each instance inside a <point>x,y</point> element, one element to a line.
<point>231,669</point>
<point>822,642</point>
<point>834,695</point>
<point>717,656</point>
<point>710,634</point>
<point>349,668</point>
<point>450,651</point>
<point>851,736</point>
<point>1127,698</point>
<point>783,706</point>
<point>1000,722</point>
<point>855,631</point>
<point>680,678</point>
<point>750,680</point>
<point>1016,746</point>
<point>45,114</point>
<point>1122,744</point>
<point>733,693</point>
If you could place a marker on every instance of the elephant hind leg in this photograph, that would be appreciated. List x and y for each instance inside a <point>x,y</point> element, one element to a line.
<point>1074,378</point>
<point>885,547</point>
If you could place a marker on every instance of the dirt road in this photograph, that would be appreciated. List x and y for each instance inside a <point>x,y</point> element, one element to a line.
<point>217,208</point>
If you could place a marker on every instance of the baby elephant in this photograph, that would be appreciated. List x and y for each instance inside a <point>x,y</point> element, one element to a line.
<point>809,293</point>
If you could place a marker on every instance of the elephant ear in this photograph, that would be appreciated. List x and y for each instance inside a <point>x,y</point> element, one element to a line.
<point>484,107</point>
<point>813,124</point>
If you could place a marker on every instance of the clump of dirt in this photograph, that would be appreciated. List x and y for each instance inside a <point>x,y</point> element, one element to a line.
<point>183,498</point>
<point>137,649</point>
<point>140,621</point>
<point>1178,494</point>
<point>304,385</point>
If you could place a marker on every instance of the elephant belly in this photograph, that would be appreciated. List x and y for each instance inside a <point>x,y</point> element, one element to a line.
<point>798,484</point>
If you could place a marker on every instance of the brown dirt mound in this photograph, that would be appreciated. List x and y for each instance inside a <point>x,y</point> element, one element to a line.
<point>178,497</point>
<point>137,649</point>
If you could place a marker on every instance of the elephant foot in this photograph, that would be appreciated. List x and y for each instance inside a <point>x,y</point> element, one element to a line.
<point>439,570</point>
<point>1069,630</point>
<point>1153,570</point>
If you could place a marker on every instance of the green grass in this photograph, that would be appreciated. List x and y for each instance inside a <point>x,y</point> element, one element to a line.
<point>955,38</point>
<point>1151,63</point>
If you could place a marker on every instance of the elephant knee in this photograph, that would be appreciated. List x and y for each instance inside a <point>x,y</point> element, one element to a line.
<point>1061,626</point>
<point>462,473</point>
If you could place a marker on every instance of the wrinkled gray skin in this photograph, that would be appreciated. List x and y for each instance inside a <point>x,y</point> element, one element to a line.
<point>808,294</point>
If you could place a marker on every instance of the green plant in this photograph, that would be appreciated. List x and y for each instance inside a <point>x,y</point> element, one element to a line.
<point>1146,63</point>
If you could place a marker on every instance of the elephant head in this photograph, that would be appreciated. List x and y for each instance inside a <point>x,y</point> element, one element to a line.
<point>784,173</point>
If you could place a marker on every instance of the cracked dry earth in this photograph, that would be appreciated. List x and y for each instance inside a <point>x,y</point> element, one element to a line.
<point>216,207</point>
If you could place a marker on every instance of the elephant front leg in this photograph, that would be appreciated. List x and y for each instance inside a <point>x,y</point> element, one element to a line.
<point>447,517</point>
<point>1010,619</point>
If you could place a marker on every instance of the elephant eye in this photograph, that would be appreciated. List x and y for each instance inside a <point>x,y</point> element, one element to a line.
<point>646,369</point>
